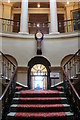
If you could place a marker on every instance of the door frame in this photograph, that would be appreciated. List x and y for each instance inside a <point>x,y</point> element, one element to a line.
<point>39,60</point>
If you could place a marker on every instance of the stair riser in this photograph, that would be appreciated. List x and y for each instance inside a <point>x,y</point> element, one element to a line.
<point>39,101</point>
<point>41,118</point>
<point>39,95</point>
<point>65,109</point>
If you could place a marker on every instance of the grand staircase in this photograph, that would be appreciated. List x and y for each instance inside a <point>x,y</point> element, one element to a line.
<point>40,104</point>
<point>18,103</point>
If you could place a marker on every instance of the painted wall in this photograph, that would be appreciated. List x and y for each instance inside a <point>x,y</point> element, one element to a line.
<point>54,47</point>
<point>23,48</point>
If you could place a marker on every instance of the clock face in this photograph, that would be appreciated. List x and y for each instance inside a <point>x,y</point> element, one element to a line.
<point>39,35</point>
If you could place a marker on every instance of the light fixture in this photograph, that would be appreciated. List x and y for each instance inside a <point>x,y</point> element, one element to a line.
<point>38,5</point>
<point>38,25</point>
<point>8,1</point>
<point>67,2</point>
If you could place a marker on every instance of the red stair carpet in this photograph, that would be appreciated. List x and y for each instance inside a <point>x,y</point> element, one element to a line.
<point>40,105</point>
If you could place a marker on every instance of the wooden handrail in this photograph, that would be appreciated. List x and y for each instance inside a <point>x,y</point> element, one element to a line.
<point>39,22</point>
<point>71,84</point>
<point>68,20</point>
<point>5,91</point>
<point>10,20</point>
<point>11,79</point>
<point>7,59</point>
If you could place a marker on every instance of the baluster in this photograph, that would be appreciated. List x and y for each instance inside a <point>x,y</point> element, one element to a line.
<point>34,25</point>
<point>69,70</point>
<point>6,67</point>
<point>76,64</point>
<point>2,25</point>
<point>10,26</point>
<point>0,65</point>
<point>9,70</point>
<point>17,27</point>
<point>74,68</point>
<point>43,25</point>
<point>79,61</point>
<point>7,26</point>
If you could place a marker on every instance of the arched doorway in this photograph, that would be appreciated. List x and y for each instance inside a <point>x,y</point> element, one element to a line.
<point>39,73</point>
<point>39,77</point>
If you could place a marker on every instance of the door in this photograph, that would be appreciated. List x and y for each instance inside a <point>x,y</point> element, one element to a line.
<point>38,21</point>
<point>16,23</point>
<point>39,77</point>
<point>61,23</point>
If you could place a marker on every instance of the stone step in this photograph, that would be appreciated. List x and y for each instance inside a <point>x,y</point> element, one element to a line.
<point>38,94</point>
<point>40,108</point>
<point>40,115</point>
<point>37,100</point>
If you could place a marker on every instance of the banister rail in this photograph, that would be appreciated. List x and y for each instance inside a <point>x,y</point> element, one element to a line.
<point>8,82</point>
<point>8,59</point>
<point>5,91</point>
<point>71,79</point>
<point>71,84</point>
<point>8,25</point>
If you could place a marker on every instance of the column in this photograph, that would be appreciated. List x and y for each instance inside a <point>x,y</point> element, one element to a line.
<point>53,17</point>
<point>24,17</point>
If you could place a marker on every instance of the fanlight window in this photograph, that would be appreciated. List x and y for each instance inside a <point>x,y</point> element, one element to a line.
<point>38,69</point>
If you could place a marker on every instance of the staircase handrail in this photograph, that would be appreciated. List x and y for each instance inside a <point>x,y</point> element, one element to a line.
<point>67,77</point>
<point>8,59</point>
<point>14,72</point>
<point>5,91</point>
<point>71,71</point>
<point>76,93</point>
<point>8,80</point>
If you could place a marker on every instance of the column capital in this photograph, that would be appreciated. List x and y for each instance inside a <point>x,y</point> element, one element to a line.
<point>7,4</point>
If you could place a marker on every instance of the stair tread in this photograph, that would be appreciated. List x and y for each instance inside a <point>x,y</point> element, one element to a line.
<point>39,105</point>
<point>39,114</point>
<point>57,92</point>
<point>39,98</point>
<point>39,92</point>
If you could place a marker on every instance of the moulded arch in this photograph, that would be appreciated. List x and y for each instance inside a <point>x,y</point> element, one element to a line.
<point>12,59</point>
<point>65,59</point>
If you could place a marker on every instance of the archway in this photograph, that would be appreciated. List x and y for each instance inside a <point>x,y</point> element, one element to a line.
<point>65,59</point>
<point>39,77</point>
<point>39,73</point>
